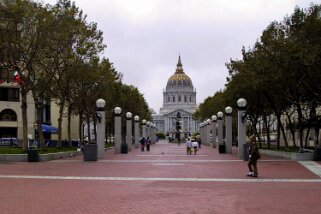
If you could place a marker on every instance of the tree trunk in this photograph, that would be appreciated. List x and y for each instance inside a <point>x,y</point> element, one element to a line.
<point>278,130</point>
<point>307,138</point>
<point>39,125</point>
<point>284,135</point>
<point>292,129</point>
<point>61,112</point>
<point>80,128</point>
<point>24,107</point>
<point>88,128</point>
<point>267,131</point>
<point>69,126</point>
<point>300,126</point>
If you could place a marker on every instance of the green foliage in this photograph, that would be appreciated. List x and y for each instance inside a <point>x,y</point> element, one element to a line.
<point>280,72</point>
<point>59,53</point>
<point>161,135</point>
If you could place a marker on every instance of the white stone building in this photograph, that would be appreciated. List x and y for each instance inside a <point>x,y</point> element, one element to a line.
<point>179,96</point>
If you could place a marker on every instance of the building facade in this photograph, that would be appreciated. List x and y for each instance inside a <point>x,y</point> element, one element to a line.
<point>178,96</point>
<point>11,112</point>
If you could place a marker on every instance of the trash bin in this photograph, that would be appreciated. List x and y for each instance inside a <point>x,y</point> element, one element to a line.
<point>221,148</point>
<point>33,155</point>
<point>90,152</point>
<point>317,154</point>
<point>246,152</point>
<point>123,148</point>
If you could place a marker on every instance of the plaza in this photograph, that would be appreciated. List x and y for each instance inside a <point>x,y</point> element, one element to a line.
<point>164,180</point>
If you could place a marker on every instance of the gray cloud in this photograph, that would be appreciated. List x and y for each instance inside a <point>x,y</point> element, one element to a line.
<point>144,38</point>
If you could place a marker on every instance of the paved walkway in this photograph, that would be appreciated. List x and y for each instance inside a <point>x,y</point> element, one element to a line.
<point>164,180</point>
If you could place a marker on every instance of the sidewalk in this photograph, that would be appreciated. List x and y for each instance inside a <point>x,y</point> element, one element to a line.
<point>164,180</point>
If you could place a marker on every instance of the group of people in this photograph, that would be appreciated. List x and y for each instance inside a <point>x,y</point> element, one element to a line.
<point>192,146</point>
<point>145,142</point>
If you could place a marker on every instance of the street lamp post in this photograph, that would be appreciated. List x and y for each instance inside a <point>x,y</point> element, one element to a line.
<point>220,132</point>
<point>152,133</point>
<point>100,140</point>
<point>228,129</point>
<point>241,129</point>
<point>136,131</point>
<point>204,133</point>
<point>214,135</point>
<point>144,128</point>
<point>129,138</point>
<point>117,130</point>
<point>207,128</point>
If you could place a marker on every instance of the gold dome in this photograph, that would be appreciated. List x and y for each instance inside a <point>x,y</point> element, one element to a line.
<point>179,78</point>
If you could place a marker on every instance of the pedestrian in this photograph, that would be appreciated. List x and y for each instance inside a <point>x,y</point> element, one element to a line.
<point>199,142</point>
<point>188,146</point>
<point>148,142</point>
<point>142,144</point>
<point>254,155</point>
<point>195,146</point>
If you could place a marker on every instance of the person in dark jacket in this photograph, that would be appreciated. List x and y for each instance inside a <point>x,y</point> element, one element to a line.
<point>148,142</point>
<point>254,155</point>
<point>142,143</point>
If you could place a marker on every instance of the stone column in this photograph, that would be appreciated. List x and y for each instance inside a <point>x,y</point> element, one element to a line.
<point>214,119</point>
<point>219,128</point>
<point>101,133</point>
<point>208,131</point>
<point>136,131</point>
<point>117,130</point>
<point>148,129</point>
<point>228,130</point>
<point>241,127</point>
<point>144,128</point>
<point>129,139</point>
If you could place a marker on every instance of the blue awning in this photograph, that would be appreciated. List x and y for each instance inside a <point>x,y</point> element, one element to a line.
<point>49,129</point>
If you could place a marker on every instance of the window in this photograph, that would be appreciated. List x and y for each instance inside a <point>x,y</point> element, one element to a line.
<point>168,99</point>
<point>8,115</point>
<point>185,99</point>
<point>9,94</point>
<point>173,99</point>
<point>190,99</point>
<point>179,98</point>
<point>6,74</point>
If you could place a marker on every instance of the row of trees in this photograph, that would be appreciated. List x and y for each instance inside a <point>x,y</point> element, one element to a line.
<point>279,76</point>
<point>57,55</point>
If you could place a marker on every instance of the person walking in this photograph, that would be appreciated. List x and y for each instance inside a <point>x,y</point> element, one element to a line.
<point>254,155</point>
<point>188,146</point>
<point>142,144</point>
<point>195,146</point>
<point>148,142</point>
<point>199,142</point>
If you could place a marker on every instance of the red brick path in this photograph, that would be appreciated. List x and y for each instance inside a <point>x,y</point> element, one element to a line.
<point>141,188</point>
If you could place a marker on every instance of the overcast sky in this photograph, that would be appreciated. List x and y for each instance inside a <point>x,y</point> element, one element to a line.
<point>145,37</point>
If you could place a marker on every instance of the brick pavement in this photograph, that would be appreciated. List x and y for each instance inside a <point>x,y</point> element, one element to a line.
<point>164,180</point>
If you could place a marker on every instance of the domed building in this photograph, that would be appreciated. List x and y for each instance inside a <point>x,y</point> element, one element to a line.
<point>179,96</point>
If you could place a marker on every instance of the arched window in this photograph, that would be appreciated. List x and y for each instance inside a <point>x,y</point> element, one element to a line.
<point>8,115</point>
<point>168,99</point>
<point>185,99</point>
<point>190,99</point>
<point>179,98</point>
<point>173,99</point>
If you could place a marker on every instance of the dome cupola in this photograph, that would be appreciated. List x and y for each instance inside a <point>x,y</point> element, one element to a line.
<point>179,78</point>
